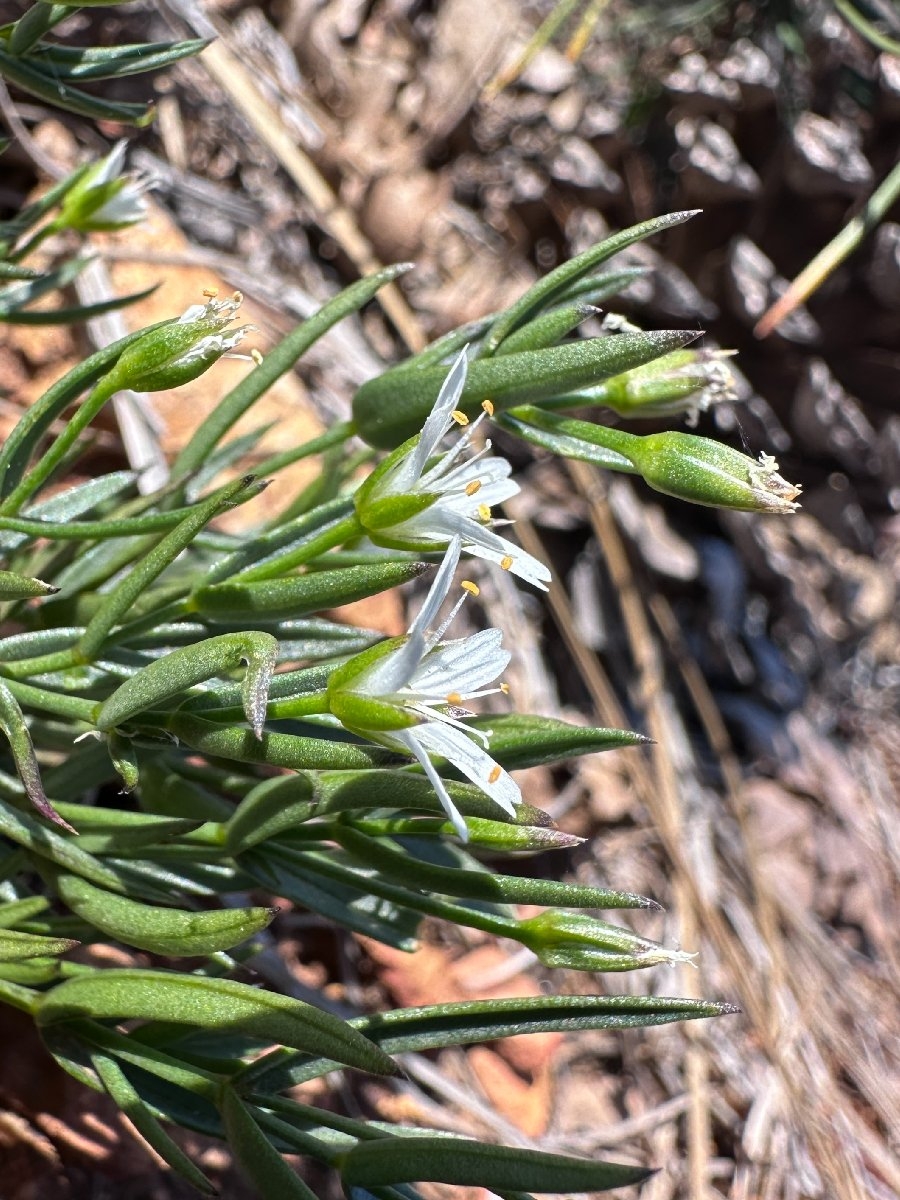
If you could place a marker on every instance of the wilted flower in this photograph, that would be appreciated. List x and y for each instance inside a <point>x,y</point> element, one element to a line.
<point>104,199</point>
<point>420,499</point>
<point>708,472</point>
<point>407,693</point>
<point>179,351</point>
<point>687,381</point>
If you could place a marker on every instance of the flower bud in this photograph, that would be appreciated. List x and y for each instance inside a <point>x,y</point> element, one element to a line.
<point>104,199</point>
<point>179,351</point>
<point>584,943</point>
<point>706,472</point>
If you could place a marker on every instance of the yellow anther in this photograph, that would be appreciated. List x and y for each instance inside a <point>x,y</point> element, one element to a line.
<point>495,774</point>
<point>472,588</point>
<point>256,355</point>
<point>210,293</point>
<point>488,407</point>
<point>484,513</point>
<point>459,417</point>
<point>506,562</point>
<point>473,487</point>
<point>454,698</point>
<point>504,688</point>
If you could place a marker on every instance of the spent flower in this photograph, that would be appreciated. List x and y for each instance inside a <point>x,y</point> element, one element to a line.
<point>420,498</point>
<point>407,693</point>
<point>178,351</point>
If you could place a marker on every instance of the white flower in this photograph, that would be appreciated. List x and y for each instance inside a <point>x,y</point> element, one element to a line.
<point>104,199</point>
<point>409,504</point>
<point>407,693</point>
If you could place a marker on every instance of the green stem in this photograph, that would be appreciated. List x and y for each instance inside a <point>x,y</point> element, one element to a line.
<point>52,702</point>
<point>136,582</point>
<point>36,239</point>
<point>48,462</point>
<point>83,530</point>
<point>832,255</point>
<point>341,531</point>
<point>43,664</point>
<point>332,437</point>
<point>297,706</point>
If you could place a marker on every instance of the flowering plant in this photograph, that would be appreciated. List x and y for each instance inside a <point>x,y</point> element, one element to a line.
<point>265,747</point>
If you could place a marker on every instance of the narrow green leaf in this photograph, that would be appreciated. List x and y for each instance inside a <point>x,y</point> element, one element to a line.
<point>119,994</point>
<point>78,312</point>
<point>129,1101</point>
<point>19,295</point>
<point>36,837</point>
<point>118,602</point>
<point>301,594</point>
<point>118,831</point>
<point>13,912</point>
<point>270,808</point>
<point>174,673</point>
<point>177,932</point>
<point>475,1164</point>
<point>273,749</point>
<point>547,329</point>
<point>519,740</point>
<point>548,289</point>
<point>283,872</point>
<point>15,946</point>
<point>464,1023</point>
<point>258,1158</point>
<point>83,63</point>
<point>12,723</point>
<point>392,407</point>
<point>60,95</point>
<point>20,587</point>
<point>276,363</point>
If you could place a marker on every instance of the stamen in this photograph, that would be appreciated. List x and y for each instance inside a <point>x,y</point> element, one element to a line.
<point>459,417</point>
<point>257,357</point>
<point>455,699</point>
<point>506,562</point>
<point>473,487</point>
<point>210,293</point>
<point>504,688</point>
<point>472,588</point>
<point>488,407</point>
<point>237,297</point>
<point>495,774</point>
<point>484,513</point>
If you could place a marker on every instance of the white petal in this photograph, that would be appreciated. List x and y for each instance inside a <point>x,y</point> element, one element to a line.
<point>408,738</point>
<point>439,419</point>
<point>439,589</point>
<point>466,756</point>
<point>463,666</point>
<point>440,522</point>
<point>111,166</point>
